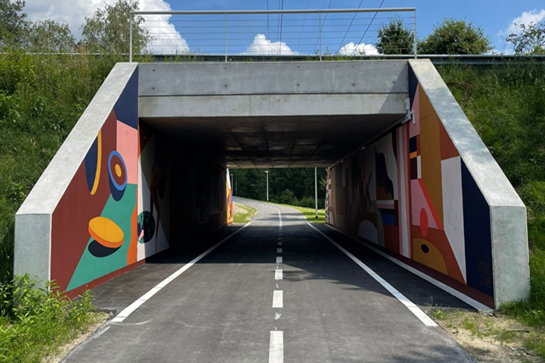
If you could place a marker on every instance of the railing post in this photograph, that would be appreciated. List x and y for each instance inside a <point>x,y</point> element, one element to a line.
<point>415,41</point>
<point>225,21</point>
<point>320,26</point>
<point>130,37</point>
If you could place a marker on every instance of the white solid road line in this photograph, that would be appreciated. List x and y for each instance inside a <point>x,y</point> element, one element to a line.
<point>276,347</point>
<point>279,259</point>
<point>278,299</point>
<point>135,305</point>
<point>472,302</point>
<point>409,304</point>
<point>278,274</point>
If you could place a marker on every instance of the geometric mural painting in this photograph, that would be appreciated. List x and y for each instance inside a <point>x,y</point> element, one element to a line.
<point>94,224</point>
<point>117,210</point>
<point>410,194</point>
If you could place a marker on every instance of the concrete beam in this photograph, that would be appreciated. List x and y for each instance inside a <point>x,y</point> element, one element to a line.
<point>511,273</point>
<point>272,105</point>
<point>247,78</point>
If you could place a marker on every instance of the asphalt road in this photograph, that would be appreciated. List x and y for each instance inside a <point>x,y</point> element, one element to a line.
<point>276,291</point>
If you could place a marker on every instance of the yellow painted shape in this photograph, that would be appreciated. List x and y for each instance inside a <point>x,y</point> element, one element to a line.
<point>106,232</point>
<point>432,259</point>
<point>99,162</point>
<point>413,155</point>
<point>117,170</point>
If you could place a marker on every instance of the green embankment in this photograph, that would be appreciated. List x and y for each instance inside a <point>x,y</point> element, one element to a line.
<point>243,213</point>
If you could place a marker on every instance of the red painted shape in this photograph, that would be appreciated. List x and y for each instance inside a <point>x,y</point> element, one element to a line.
<point>432,207</point>
<point>423,222</point>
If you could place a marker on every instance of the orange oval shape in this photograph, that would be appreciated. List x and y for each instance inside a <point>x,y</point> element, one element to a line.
<point>106,232</point>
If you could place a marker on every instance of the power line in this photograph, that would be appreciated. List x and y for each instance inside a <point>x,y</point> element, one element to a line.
<point>370,23</point>
<point>347,30</point>
<point>302,26</point>
<point>281,19</point>
<point>323,23</point>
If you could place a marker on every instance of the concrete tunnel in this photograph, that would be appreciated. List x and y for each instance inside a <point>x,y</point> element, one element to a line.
<point>148,162</point>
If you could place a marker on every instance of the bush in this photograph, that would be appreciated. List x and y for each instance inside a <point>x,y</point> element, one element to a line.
<point>35,321</point>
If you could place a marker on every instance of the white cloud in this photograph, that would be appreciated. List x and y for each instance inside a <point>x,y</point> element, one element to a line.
<point>527,17</point>
<point>167,39</point>
<point>358,49</point>
<point>262,46</point>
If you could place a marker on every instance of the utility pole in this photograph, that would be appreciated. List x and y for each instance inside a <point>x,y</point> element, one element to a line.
<point>316,190</point>
<point>267,172</point>
<point>232,186</point>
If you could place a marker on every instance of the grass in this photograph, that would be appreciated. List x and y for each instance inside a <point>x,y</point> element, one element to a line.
<point>243,213</point>
<point>310,214</point>
<point>494,335</point>
<point>35,322</point>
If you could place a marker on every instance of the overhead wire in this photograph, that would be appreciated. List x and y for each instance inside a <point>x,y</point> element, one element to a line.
<point>370,23</point>
<point>321,26</point>
<point>347,30</point>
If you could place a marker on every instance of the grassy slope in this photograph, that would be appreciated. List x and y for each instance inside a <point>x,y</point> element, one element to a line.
<point>243,213</point>
<point>506,105</point>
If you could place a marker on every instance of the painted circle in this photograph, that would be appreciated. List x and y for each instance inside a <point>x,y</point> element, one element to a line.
<point>146,227</point>
<point>424,222</point>
<point>115,163</point>
<point>425,248</point>
<point>106,232</point>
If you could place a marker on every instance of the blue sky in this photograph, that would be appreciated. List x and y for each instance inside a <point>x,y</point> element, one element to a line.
<point>299,33</point>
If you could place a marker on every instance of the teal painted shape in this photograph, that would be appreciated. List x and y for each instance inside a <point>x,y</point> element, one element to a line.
<point>90,267</point>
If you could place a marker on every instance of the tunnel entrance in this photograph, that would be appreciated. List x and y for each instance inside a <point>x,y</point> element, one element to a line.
<point>150,157</point>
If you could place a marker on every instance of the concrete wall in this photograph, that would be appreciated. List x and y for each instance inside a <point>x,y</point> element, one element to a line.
<point>273,89</point>
<point>430,194</point>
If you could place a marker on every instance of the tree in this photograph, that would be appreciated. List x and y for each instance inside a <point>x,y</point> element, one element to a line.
<point>108,29</point>
<point>12,21</point>
<point>530,40</point>
<point>49,35</point>
<point>395,38</point>
<point>455,37</point>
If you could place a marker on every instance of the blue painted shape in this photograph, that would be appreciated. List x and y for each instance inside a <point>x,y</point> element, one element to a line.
<point>477,234</point>
<point>91,160</point>
<point>388,218</point>
<point>126,107</point>
<point>117,190</point>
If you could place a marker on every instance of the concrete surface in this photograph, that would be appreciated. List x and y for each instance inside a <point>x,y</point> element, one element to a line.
<point>247,78</point>
<point>272,105</point>
<point>511,273</point>
<point>33,219</point>
<point>220,310</point>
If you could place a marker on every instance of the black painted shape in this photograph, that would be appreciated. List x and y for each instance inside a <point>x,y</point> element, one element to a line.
<point>98,250</point>
<point>477,235</point>
<point>382,175</point>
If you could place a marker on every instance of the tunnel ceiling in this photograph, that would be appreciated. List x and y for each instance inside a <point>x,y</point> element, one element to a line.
<point>275,142</point>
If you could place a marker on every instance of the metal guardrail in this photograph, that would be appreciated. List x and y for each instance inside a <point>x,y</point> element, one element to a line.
<point>313,33</point>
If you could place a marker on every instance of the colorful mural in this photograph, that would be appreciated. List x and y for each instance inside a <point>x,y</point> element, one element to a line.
<point>94,224</point>
<point>117,211</point>
<point>410,194</point>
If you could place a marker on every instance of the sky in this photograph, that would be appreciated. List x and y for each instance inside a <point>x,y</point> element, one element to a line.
<point>296,34</point>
